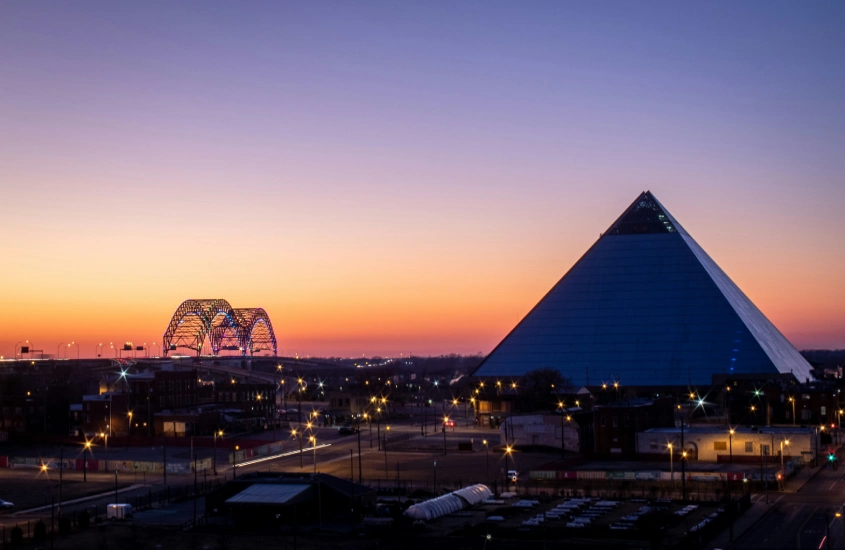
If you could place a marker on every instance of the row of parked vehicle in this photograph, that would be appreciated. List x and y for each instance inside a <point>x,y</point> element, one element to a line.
<point>577,512</point>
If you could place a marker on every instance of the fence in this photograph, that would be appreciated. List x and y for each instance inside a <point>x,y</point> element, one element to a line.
<point>124,466</point>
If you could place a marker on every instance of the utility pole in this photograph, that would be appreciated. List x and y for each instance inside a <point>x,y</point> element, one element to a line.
<point>164,456</point>
<point>683,465</point>
<point>61,467</point>
<point>359,451</point>
<point>194,457</point>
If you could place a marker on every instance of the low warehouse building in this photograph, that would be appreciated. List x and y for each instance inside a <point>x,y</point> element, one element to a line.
<point>264,499</point>
<point>739,445</point>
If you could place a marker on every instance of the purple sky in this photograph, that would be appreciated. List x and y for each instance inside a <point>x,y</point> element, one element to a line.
<point>389,176</point>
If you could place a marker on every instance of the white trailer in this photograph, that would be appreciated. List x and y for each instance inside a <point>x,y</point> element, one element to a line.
<point>118,511</point>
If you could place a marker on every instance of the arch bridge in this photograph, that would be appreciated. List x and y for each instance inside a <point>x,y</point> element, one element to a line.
<point>213,325</point>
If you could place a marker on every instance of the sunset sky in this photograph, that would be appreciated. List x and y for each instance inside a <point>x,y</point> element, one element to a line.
<point>397,177</point>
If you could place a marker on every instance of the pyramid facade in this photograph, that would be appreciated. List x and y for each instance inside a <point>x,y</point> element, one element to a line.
<point>645,306</point>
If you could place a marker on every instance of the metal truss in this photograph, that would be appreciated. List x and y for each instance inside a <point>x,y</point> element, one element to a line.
<point>198,324</point>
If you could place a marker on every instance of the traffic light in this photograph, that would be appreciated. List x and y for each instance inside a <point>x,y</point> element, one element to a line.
<point>831,457</point>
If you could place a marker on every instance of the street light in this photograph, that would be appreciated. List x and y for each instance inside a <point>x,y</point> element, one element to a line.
<point>313,440</point>
<point>386,433</point>
<point>445,420</point>
<point>672,464</point>
<point>85,461</point>
<point>731,441</point>
<point>218,433</point>
<point>378,426</point>
<point>370,426</point>
<point>58,351</point>
<point>562,448</point>
<point>782,471</point>
<point>294,433</point>
<point>508,451</point>
<point>792,400</point>
<point>486,461</point>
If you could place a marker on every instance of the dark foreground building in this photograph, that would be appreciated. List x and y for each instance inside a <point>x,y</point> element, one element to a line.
<point>265,500</point>
<point>645,306</point>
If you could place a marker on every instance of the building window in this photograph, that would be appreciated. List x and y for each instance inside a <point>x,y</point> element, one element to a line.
<point>652,445</point>
<point>603,422</point>
<point>749,447</point>
<point>823,411</point>
<point>805,414</point>
<point>615,421</point>
<point>720,445</point>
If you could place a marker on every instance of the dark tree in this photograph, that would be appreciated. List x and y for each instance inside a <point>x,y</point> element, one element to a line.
<point>541,389</point>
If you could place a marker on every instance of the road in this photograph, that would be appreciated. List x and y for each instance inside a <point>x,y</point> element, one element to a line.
<point>803,520</point>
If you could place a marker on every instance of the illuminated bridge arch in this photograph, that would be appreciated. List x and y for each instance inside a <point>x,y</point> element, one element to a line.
<point>214,325</point>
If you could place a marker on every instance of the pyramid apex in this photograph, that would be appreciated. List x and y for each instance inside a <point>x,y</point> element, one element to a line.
<point>645,215</point>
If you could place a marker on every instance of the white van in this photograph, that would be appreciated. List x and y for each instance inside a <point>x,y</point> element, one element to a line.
<point>118,511</point>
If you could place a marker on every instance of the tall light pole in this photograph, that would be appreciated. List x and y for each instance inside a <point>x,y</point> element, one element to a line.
<point>77,350</point>
<point>295,434</point>
<point>562,448</point>
<point>370,425</point>
<point>217,433</point>
<point>486,462</point>
<point>61,467</point>
<point>672,464</point>
<point>445,420</point>
<point>360,476</point>
<point>782,471</point>
<point>313,440</point>
<point>378,427</point>
<point>792,400</point>
<point>58,351</point>
<point>386,433</point>
<point>85,460</point>
<point>508,451</point>
<point>731,444</point>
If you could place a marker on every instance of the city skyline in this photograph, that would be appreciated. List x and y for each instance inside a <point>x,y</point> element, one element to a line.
<point>389,179</point>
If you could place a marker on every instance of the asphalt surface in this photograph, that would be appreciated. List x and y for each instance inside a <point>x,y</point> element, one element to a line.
<point>805,519</point>
<point>332,456</point>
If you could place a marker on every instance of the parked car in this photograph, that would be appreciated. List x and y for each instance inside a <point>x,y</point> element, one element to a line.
<point>347,430</point>
<point>6,505</point>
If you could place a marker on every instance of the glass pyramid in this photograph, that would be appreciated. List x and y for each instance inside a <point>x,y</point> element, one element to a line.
<point>645,306</point>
